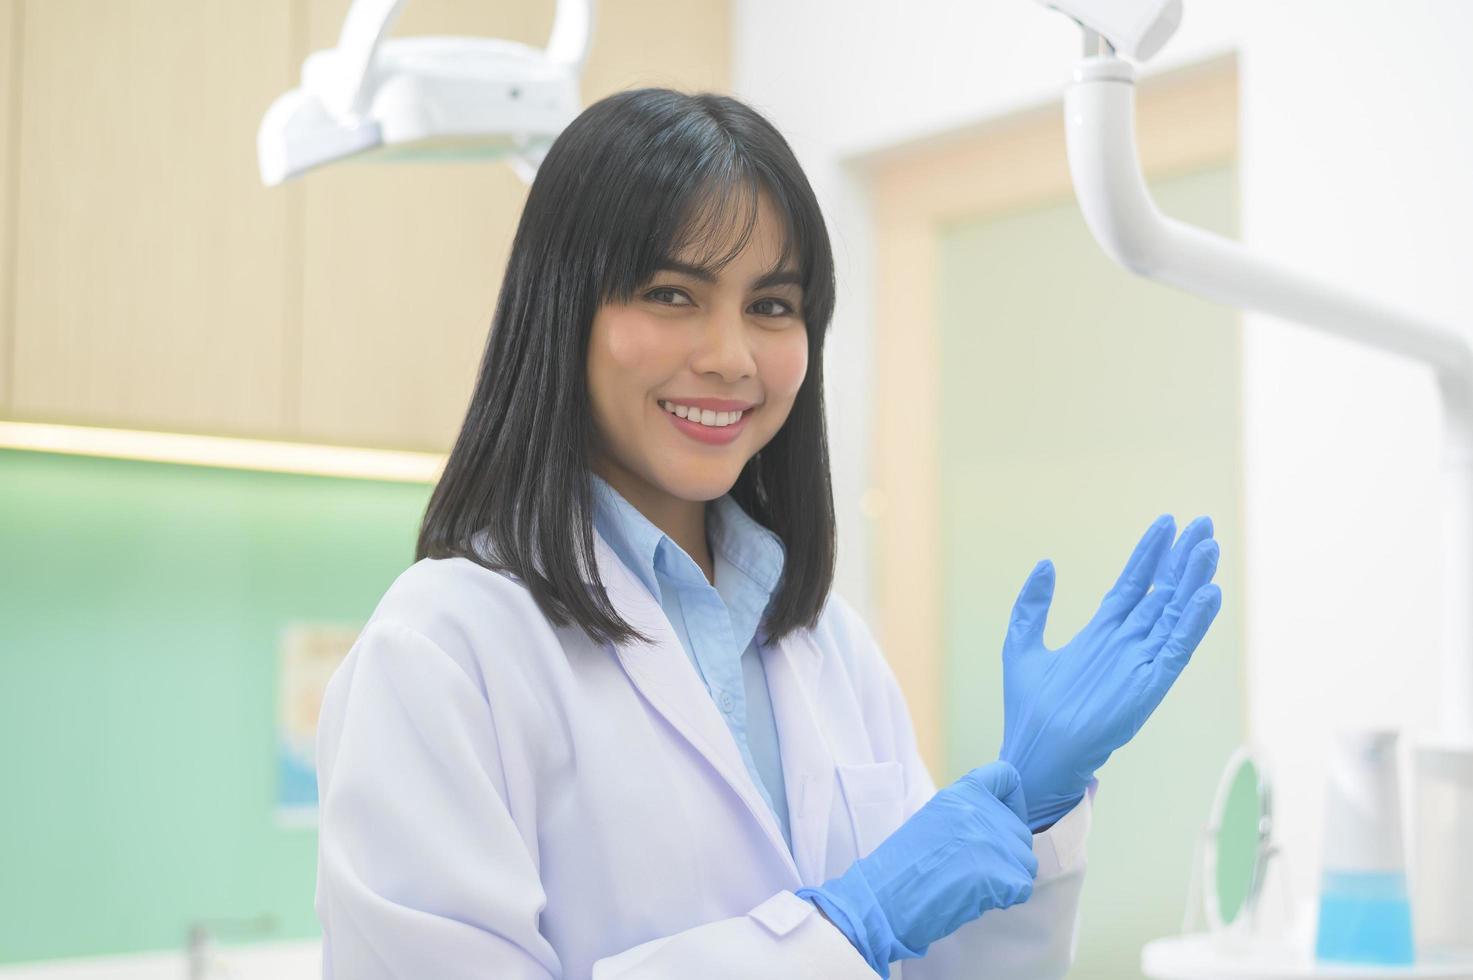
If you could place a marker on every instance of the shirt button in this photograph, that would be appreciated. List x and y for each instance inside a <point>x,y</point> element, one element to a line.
<point>726,702</point>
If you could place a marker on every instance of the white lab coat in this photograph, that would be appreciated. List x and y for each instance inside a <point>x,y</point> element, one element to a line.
<point>500,798</point>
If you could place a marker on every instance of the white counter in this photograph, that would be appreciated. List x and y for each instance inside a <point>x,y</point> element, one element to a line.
<point>295,960</point>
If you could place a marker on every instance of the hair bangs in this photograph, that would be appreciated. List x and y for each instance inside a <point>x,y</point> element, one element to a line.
<point>706,219</point>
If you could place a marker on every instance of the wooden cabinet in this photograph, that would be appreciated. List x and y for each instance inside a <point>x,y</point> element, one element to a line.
<point>159,285</point>
<point>402,263</point>
<point>9,49</point>
<point>150,285</point>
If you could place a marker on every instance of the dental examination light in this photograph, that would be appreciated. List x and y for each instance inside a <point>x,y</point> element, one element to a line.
<point>1099,107</point>
<point>423,98</point>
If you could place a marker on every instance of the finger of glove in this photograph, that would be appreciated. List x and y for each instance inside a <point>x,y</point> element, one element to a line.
<point>1201,566</point>
<point>1159,616</point>
<point>1021,853</point>
<point>1140,570</point>
<point>1147,612</point>
<point>1002,822</point>
<point>1169,574</point>
<point>1189,630</point>
<point>1025,890</point>
<point>1018,804</point>
<point>1006,786</point>
<point>999,777</point>
<point>1022,869</point>
<point>996,790</point>
<point>1013,890</point>
<point>1030,611</point>
<point>1011,869</point>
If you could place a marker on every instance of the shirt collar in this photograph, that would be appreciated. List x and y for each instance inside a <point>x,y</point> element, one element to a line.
<point>634,539</point>
<point>751,548</point>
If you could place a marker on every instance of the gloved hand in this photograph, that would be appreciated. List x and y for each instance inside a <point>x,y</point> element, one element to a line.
<point>1066,710</point>
<point>964,852</point>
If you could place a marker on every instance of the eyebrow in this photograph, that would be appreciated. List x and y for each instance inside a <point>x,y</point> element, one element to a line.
<point>776,277</point>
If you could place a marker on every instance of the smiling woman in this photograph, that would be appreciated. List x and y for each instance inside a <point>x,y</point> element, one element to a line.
<point>671,251</point>
<point>614,722</point>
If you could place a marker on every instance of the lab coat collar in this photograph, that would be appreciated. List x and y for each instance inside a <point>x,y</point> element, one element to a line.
<point>663,675</point>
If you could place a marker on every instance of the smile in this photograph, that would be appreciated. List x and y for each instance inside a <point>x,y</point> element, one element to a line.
<point>722,428</point>
<point>706,417</point>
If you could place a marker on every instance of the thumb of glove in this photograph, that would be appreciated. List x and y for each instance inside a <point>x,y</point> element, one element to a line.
<point>1030,610</point>
<point>1001,779</point>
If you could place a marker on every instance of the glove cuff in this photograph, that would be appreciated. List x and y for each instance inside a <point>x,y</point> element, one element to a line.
<point>853,929</point>
<point>1051,813</point>
<point>850,904</point>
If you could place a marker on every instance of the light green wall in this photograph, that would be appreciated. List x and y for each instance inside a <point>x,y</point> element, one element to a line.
<point>1078,403</point>
<point>140,609</point>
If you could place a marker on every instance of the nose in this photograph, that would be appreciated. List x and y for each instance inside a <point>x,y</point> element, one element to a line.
<point>725,348</point>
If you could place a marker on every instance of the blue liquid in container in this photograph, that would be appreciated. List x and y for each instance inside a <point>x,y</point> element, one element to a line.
<point>1365,917</point>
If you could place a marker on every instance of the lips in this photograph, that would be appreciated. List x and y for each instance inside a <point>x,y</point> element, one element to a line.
<point>709,435</point>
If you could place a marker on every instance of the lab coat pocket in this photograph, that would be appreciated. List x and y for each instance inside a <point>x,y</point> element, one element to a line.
<point>874,793</point>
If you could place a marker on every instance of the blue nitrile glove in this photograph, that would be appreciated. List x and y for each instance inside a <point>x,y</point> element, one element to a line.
<point>964,852</point>
<point>1066,710</point>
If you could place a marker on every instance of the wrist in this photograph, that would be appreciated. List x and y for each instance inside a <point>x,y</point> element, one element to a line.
<point>811,898</point>
<point>1049,792</point>
<point>1046,815</point>
<point>831,905</point>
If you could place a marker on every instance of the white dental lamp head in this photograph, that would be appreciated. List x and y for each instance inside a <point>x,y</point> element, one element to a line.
<point>417,98</point>
<point>1136,29</point>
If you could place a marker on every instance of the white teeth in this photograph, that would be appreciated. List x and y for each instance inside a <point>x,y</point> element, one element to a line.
<point>704,416</point>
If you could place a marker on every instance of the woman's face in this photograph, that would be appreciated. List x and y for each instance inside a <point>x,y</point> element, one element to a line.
<point>715,341</point>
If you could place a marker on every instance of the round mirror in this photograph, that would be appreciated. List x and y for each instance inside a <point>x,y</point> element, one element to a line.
<point>1239,841</point>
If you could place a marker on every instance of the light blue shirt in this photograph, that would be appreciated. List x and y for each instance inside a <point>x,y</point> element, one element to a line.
<point>717,625</point>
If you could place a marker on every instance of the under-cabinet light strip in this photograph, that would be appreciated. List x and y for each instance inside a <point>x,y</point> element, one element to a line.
<point>224,451</point>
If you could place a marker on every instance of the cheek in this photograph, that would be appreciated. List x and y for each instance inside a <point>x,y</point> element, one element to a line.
<point>636,345</point>
<point>627,354</point>
<point>785,364</point>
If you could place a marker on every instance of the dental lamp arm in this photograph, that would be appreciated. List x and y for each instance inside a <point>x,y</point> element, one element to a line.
<point>1099,109</point>
<point>1136,28</point>
<point>1117,206</point>
<point>572,32</point>
<point>369,22</point>
<point>1100,122</point>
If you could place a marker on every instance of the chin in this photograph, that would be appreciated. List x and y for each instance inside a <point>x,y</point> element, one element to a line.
<point>706,482</point>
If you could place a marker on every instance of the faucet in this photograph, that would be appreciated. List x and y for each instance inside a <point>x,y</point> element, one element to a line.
<point>200,948</point>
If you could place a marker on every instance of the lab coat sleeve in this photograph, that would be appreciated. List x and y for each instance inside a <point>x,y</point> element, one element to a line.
<point>423,872</point>
<point>1034,940</point>
<point>785,936</point>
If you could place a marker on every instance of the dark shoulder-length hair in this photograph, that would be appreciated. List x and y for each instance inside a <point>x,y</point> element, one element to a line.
<point>636,178</point>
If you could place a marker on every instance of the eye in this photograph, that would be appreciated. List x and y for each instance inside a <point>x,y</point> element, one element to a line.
<point>657,293</point>
<point>784,308</point>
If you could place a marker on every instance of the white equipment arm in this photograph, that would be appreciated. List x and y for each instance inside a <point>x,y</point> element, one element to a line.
<point>1099,111</point>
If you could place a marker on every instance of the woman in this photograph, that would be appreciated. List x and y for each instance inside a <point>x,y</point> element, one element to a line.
<point>613,722</point>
